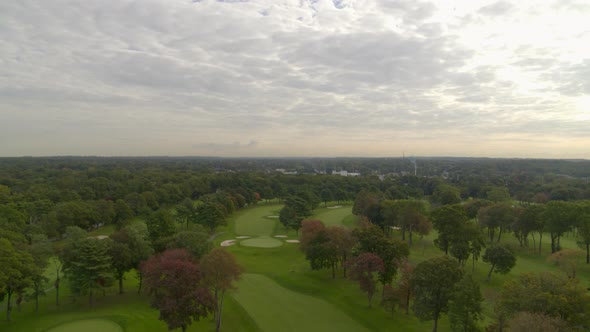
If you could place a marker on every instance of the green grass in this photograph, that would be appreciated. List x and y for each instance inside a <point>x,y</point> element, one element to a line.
<point>334,217</point>
<point>276,308</point>
<point>88,325</point>
<point>261,242</point>
<point>254,221</point>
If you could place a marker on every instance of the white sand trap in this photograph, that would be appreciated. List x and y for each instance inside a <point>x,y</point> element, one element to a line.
<point>242,237</point>
<point>228,243</point>
<point>281,236</point>
<point>292,241</point>
<point>273,217</point>
<point>101,237</point>
<point>335,207</point>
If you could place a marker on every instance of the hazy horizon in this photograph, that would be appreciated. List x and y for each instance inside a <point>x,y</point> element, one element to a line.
<point>295,78</point>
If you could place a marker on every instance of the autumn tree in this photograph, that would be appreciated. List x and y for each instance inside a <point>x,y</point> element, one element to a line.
<point>364,269</point>
<point>220,271</point>
<point>405,289</point>
<point>568,260</point>
<point>176,287</point>
<point>548,294</point>
<point>501,258</point>
<point>434,281</point>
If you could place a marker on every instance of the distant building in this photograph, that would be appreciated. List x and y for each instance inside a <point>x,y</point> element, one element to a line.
<point>345,173</point>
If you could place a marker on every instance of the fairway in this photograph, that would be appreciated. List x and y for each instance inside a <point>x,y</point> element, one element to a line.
<point>88,325</point>
<point>255,221</point>
<point>275,308</point>
<point>333,217</point>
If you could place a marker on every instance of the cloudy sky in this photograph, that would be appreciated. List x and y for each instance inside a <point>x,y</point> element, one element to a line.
<point>295,78</point>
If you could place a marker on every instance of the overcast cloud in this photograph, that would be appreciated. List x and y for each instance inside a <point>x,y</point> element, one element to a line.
<point>295,78</point>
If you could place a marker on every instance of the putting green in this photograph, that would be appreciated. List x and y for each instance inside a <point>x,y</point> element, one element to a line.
<point>275,308</point>
<point>262,242</point>
<point>88,325</point>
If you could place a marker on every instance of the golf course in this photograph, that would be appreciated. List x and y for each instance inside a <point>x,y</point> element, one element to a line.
<point>277,292</point>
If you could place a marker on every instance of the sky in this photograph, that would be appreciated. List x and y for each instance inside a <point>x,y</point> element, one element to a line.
<point>285,78</point>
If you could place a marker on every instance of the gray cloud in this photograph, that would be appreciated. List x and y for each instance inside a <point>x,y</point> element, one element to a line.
<point>185,77</point>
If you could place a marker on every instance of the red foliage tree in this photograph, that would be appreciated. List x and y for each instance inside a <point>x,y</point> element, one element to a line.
<point>176,288</point>
<point>309,230</point>
<point>221,271</point>
<point>364,269</point>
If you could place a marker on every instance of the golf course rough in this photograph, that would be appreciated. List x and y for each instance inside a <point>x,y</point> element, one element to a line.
<point>88,325</point>
<point>260,296</point>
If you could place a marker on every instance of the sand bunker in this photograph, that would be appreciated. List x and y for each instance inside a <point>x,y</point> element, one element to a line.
<point>292,241</point>
<point>242,237</point>
<point>335,207</point>
<point>280,236</point>
<point>228,243</point>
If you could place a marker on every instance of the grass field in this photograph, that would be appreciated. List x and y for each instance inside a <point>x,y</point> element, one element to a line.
<point>260,296</point>
<point>88,325</point>
<point>279,291</point>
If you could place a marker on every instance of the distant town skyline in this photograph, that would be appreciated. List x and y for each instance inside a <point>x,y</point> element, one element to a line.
<point>295,78</point>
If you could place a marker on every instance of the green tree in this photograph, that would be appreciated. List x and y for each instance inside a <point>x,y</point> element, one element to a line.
<point>15,272</point>
<point>501,258</point>
<point>465,310</point>
<point>160,225</point>
<point>434,281</point>
<point>88,266</point>
<point>583,223</point>
<point>559,217</point>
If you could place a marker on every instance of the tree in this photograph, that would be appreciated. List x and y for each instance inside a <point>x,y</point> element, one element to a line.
<point>448,220</point>
<point>501,257</point>
<point>15,272</point>
<point>434,281</point>
<point>220,271</point>
<point>465,308</point>
<point>548,294</point>
<point>405,288</point>
<point>342,241</point>
<point>363,269</point>
<point>446,194</point>
<point>584,229</point>
<point>88,265</point>
<point>559,217</point>
<point>529,221</point>
<point>128,248</point>
<point>497,216</point>
<point>176,288</point>
<point>538,322</point>
<point>567,260</point>
<point>195,241</point>
<point>160,225</point>
<point>210,215</point>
